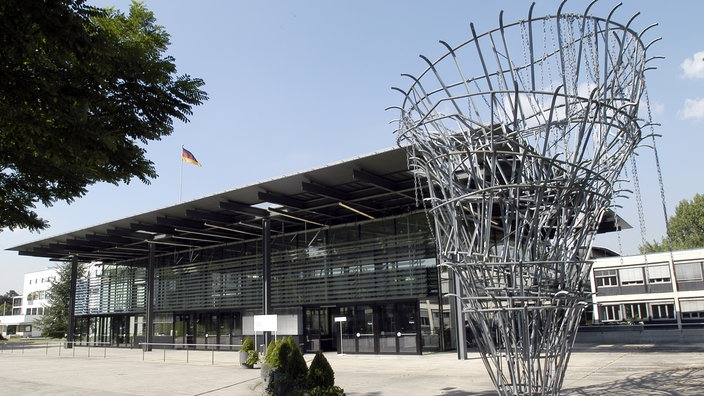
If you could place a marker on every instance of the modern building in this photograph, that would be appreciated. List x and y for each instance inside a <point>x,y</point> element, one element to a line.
<point>653,289</point>
<point>343,255</point>
<point>29,306</point>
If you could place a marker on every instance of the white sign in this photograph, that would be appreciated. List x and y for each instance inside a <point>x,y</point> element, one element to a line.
<point>340,319</point>
<point>266,323</point>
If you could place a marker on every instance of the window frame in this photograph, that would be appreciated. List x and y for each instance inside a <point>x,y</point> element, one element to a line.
<point>603,274</point>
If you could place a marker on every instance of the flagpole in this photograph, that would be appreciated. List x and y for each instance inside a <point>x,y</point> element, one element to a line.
<point>180,187</point>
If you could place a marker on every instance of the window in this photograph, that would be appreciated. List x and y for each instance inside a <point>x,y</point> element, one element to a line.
<point>635,312</point>
<point>29,311</point>
<point>688,271</point>
<point>658,274</point>
<point>34,311</point>
<point>631,276</point>
<point>610,313</point>
<point>692,315</point>
<point>606,278</point>
<point>663,311</point>
<point>692,307</point>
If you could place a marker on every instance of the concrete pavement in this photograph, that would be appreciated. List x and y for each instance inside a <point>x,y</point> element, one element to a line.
<point>674,369</point>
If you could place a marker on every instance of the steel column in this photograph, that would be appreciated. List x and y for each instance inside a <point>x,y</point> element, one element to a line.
<point>150,300</point>
<point>266,271</point>
<point>72,303</point>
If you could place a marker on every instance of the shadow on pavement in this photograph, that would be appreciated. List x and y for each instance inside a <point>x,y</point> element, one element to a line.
<point>677,382</point>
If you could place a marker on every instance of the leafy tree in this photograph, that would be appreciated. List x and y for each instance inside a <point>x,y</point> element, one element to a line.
<point>54,323</point>
<point>685,228</point>
<point>82,91</point>
<point>6,301</point>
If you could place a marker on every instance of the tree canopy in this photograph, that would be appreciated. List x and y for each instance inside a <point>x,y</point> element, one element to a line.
<point>6,302</point>
<point>685,230</point>
<point>83,90</point>
<point>54,323</point>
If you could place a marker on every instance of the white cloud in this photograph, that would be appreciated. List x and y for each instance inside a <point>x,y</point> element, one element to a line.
<point>693,109</point>
<point>694,67</point>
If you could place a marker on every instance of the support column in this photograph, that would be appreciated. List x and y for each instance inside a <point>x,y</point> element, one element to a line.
<point>458,316</point>
<point>72,303</point>
<point>266,271</point>
<point>150,300</point>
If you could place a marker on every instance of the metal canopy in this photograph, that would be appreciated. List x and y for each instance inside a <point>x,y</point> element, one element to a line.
<point>335,194</point>
<point>363,188</point>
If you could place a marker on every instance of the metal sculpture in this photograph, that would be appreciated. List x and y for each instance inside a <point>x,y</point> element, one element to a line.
<point>518,137</point>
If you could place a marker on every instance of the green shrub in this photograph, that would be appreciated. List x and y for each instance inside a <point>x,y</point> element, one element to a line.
<point>252,358</point>
<point>272,354</point>
<point>290,377</point>
<point>329,391</point>
<point>247,345</point>
<point>295,366</point>
<point>288,374</point>
<point>320,373</point>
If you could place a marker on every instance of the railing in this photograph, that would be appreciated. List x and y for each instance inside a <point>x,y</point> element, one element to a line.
<point>88,349</point>
<point>33,345</point>
<point>146,346</point>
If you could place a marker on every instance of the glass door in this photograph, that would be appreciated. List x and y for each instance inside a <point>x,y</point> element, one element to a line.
<point>183,330</point>
<point>358,331</point>
<point>407,327</point>
<point>388,330</point>
<point>398,328</point>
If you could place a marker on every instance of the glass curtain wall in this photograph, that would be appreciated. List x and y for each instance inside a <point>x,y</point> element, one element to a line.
<point>200,294</point>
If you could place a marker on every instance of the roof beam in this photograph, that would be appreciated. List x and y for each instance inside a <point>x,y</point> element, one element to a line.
<point>325,191</point>
<point>295,217</point>
<point>282,200</point>
<point>113,239</point>
<point>368,177</point>
<point>243,209</point>
<point>210,216</point>
<point>179,222</point>
<point>151,228</point>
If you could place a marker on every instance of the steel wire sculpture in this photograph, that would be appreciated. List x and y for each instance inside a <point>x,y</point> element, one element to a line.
<point>517,163</point>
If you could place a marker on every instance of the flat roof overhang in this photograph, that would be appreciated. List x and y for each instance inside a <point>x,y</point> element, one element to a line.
<point>367,187</point>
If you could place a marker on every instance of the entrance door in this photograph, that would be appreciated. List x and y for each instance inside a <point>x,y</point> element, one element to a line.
<point>387,328</point>
<point>184,331</point>
<point>398,328</point>
<point>120,332</point>
<point>319,336</point>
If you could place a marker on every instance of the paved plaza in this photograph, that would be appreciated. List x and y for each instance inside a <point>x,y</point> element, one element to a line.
<point>674,369</point>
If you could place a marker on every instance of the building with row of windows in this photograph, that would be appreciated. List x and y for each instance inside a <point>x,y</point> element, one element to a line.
<point>658,288</point>
<point>28,306</point>
<point>344,256</point>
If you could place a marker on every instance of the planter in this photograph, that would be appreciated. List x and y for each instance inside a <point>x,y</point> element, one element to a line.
<point>243,359</point>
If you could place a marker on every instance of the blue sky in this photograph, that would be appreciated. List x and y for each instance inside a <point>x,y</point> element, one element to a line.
<point>296,85</point>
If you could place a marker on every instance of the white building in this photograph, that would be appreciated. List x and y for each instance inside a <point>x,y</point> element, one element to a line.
<point>29,306</point>
<point>658,288</point>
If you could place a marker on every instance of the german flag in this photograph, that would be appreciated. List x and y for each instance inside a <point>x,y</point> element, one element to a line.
<point>187,156</point>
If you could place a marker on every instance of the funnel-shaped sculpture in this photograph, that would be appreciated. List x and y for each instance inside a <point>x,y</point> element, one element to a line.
<point>518,137</point>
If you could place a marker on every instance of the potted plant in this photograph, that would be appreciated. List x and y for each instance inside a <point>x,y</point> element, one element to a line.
<point>248,355</point>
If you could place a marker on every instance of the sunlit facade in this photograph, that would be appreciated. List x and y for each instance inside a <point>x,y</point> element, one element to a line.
<point>18,320</point>
<point>665,289</point>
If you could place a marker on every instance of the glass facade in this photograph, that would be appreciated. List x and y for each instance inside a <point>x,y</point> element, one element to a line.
<point>380,275</point>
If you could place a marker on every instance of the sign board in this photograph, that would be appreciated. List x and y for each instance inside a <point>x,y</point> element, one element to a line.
<point>266,323</point>
<point>340,319</point>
